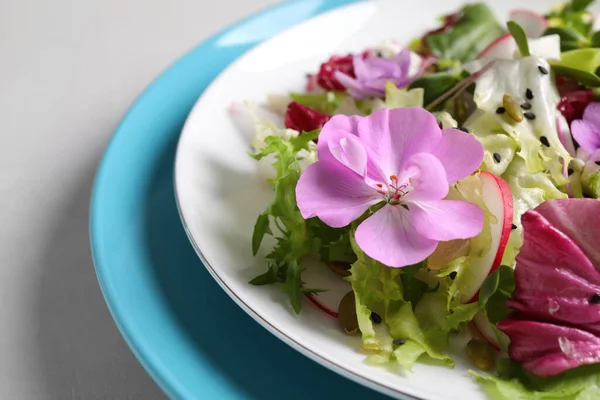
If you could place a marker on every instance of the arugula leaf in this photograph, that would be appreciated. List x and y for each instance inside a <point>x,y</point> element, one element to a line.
<point>271,276</point>
<point>435,85</point>
<point>573,23</point>
<point>580,5</point>
<point>260,229</point>
<point>596,39</point>
<point>520,37</point>
<point>496,289</point>
<point>473,32</point>
<point>581,59</point>
<point>324,102</point>
<point>583,77</point>
<point>293,242</point>
<point>570,38</point>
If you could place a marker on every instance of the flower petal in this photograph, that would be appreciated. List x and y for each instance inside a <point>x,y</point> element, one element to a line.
<point>446,219</point>
<point>334,193</point>
<point>389,237</point>
<point>591,115</point>
<point>337,128</point>
<point>587,135</point>
<point>427,177</point>
<point>356,89</point>
<point>393,136</point>
<point>460,154</point>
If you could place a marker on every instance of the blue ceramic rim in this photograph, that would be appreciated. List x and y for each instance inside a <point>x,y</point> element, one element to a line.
<point>154,367</point>
<point>157,370</point>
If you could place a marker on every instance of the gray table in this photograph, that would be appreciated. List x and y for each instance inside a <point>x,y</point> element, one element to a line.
<point>69,69</point>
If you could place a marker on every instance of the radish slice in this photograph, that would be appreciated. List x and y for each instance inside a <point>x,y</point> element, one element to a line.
<point>498,199</point>
<point>503,47</point>
<point>486,329</point>
<point>317,275</point>
<point>533,24</point>
<point>564,134</point>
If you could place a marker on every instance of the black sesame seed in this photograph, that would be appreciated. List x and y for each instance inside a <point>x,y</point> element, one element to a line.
<point>500,110</point>
<point>529,115</point>
<point>595,299</point>
<point>497,157</point>
<point>570,171</point>
<point>452,275</point>
<point>513,227</point>
<point>545,141</point>
<point>399,342</point>
<point>529,94</point>
<point>526,106</point>
<point>543,70</point>
<point>462,128</point>
<point>376,318</point>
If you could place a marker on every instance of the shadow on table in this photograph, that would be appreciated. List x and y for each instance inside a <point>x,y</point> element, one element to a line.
<point>78,350</point>
<point>197,300</point>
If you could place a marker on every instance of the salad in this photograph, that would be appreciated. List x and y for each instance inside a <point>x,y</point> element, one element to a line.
<point>454,183</point>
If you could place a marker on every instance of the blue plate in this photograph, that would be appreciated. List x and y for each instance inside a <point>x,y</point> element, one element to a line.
<point>189,335</point>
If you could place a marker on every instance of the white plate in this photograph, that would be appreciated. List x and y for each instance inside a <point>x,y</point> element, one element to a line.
<point>220,192</point>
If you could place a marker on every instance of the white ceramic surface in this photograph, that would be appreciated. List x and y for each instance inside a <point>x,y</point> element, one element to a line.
<point>220,192</point>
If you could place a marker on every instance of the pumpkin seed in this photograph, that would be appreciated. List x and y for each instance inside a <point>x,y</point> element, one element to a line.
<point>512,108</point>
<point>480,352</point>
<point>347,313</point>
<point>339,267</point>
<point>446,252</point>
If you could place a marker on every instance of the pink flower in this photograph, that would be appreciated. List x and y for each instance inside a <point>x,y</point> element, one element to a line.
<point>586,131</point>
<point>372,74</point>
<point>402,158</point>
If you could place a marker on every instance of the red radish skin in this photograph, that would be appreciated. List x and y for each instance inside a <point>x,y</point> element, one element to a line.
<point>502,47</point>
<point>533,23</point>
<point>481,323</point>
<point>507,199</point>
<point>320,306</point>
<point>503,230</point>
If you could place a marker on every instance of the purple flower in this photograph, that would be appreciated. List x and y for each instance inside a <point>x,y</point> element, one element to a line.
<point>402,158</point>
<point>373,73</point>
<point>586,131</point>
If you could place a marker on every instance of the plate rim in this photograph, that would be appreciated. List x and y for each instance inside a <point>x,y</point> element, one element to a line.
<point>256,316</point>
<point>144,356</point>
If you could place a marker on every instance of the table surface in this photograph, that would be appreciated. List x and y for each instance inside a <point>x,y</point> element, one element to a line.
<point>69,69</point>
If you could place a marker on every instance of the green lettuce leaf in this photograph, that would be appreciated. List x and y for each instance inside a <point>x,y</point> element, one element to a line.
<point>528,190</point>
<point>293,239</point>
<point>435,85</point>
<point>590,179</point>
<point>396,98</point>
<point>573,23</point>
<point>476,29</point>
<point>324,102</point>
<point>379,289</point>
<point>514,383</point>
